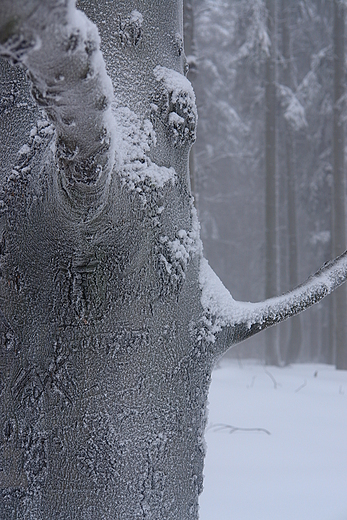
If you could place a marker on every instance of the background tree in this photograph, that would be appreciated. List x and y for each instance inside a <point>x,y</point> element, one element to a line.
<point>271,220</point>
<point>314,89</point>
<point>339,314</point>
<point>111,319</point>
<point>291,123</point>
<point>190,51</point>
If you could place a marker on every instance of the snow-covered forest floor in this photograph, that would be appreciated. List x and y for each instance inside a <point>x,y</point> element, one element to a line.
<point>298,470</point>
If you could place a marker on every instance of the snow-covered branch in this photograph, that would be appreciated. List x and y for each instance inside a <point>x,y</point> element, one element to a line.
<point>294,112</point>
<point>60,49</point>
<point>244,319</point>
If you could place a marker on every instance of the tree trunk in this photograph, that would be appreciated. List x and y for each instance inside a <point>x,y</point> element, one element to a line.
<point>111,320</point>
<point>294,342</point>
<point>271,354</point>
<point>339,325</point>
<point>104,392</point>
<point>190,51</point>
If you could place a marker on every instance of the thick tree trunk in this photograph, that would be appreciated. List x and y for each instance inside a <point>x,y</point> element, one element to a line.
<point>271,354</point>
<point>339,315</point>
<point>104,372</point>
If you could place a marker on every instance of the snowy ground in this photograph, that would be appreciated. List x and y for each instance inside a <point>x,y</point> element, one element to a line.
<point>299,470</point>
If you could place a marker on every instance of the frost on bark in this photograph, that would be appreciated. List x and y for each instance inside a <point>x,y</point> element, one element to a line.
<point>110,318</point>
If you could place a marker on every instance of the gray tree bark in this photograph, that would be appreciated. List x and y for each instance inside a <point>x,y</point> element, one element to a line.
<point>190,51</point>
<point>111,320</point>
<point>339,314</point>
<point>294,341</point>
<point>271,351</point>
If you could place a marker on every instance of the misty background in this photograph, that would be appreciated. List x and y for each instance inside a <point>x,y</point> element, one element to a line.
<point>270,133</point>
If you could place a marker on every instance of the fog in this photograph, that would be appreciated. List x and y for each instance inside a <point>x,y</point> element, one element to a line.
<point>230,54</point>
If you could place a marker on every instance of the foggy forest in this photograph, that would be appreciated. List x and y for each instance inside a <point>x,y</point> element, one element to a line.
<point>230,49</point>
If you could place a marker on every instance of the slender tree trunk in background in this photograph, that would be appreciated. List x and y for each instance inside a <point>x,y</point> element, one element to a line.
<point>294,342</point>
<point>330,358</point>
<point>271,353</point>
<point>339,197</point>
<point>190,52</point>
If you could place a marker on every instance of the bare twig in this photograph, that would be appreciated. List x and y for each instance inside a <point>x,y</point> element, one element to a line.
<point>232,429</point>
<point>272,378</point>
<point>301,386</point>
<point>252,382</point>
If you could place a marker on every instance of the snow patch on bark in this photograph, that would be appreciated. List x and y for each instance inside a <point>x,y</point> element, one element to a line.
<point>175,83</point>
<point>175,103</point>
<point>22,187</point>
<point>187,243</point>
<point>136,168</point>
<point>174,255</point>
<point>180,248</point>
<point>219,306</point>
<point>215,298</point>
<point>130,29</point>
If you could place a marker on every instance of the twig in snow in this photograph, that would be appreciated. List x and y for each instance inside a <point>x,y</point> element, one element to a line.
<point>232,429</point>
<point>252,383</point>
<point>272,378</point>
<point>301,386</point>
